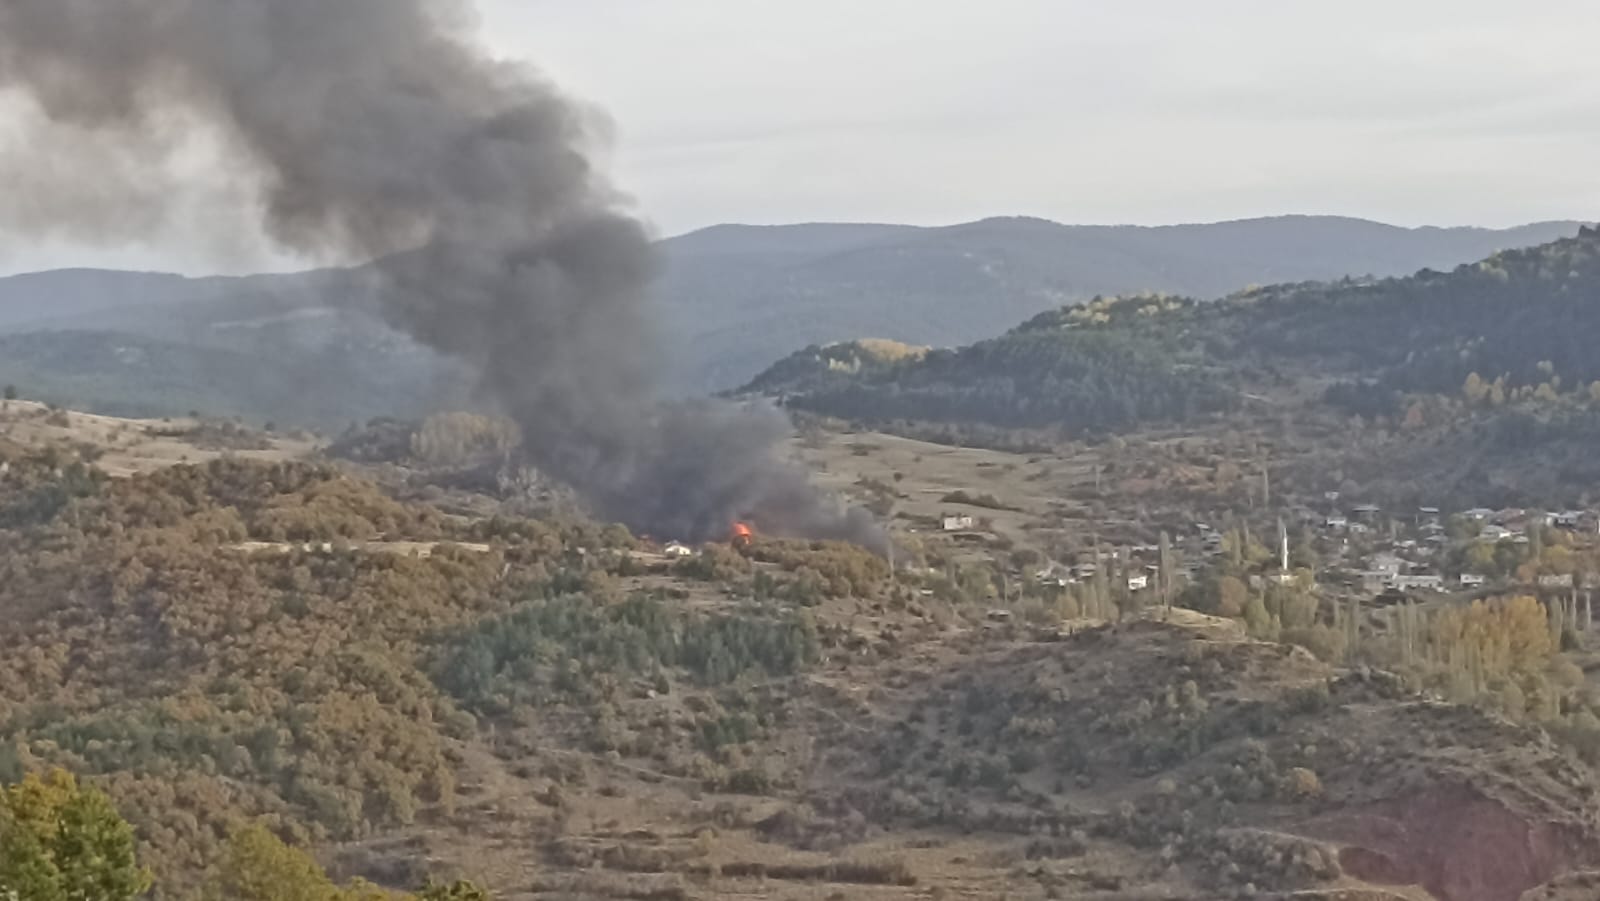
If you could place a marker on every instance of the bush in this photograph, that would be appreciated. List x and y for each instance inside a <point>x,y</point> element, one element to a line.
<point>1301,784</point>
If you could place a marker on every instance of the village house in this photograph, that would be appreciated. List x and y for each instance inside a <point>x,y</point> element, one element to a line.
<point>1571,520</point>
<point>1373,582</point>
<point>1418,582</point>
<point>1493,532</point>
<point>1555,580</point>
<point>1336,522</point>
<point>1055,574</point>
<point>1471,580</point>
<point>1387,563</point>
<point>677,549</point>
<point>1138,583</point>
<point>958,523</point>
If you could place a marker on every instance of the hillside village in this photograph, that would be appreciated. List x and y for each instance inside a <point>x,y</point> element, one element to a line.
<point>1363,552</point>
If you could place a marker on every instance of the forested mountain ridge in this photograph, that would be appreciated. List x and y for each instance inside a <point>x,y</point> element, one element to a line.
<point>738,297</point>
<point>1517,323</point>
<point>730,300</point>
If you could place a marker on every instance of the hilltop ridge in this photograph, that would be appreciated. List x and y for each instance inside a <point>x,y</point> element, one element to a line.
<point>731,300</point>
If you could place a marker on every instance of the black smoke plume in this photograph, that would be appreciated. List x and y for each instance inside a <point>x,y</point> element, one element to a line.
<point>379,129</point>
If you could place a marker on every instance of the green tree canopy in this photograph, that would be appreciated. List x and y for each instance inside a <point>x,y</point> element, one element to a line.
<point>63,842</point>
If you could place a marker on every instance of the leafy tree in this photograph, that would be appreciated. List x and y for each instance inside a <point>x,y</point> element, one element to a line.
<point>11,392</point>
<point>260,867</point>
<point>62,842</point>
<point>1232,596</point>
<point>1259,622</point>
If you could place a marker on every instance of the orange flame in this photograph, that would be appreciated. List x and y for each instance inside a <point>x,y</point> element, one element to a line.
<point>742,534</point>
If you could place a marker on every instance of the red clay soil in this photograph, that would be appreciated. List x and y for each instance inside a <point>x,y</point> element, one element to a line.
<point>1454,842</point>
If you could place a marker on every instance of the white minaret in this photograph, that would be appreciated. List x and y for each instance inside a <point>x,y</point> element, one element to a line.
<point>1283,542</point>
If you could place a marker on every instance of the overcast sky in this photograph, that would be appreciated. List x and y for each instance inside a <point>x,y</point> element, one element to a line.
<point>1142,111</point>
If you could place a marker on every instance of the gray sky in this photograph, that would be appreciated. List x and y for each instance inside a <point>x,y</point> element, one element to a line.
<point>1144,111</point>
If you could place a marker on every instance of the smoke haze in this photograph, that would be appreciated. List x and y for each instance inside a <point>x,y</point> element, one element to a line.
<point>378,129</point>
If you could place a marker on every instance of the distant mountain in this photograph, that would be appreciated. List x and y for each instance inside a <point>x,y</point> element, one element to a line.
<point>735,298</point>
<point>301,348</point>
<point>730,301</point>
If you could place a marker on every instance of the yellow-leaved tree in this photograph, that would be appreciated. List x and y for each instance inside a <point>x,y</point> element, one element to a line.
<point>261,867</point>
<point>60,841</point>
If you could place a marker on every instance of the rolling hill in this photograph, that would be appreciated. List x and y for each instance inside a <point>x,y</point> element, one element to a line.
<point>730,301</point>
<point>1485,375</point>
<point>1517,320</point>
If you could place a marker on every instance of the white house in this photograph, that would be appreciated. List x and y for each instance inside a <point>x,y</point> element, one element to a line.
<point>958,523</point>
<point>1055,574</point>
<point>1336,522</point>
<point>1569,519</point>
<point>677,549</point>
<point>1471,580</point>
<point>1552,580</point>
<point>1418,582</point>
<point>1138,583</point>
